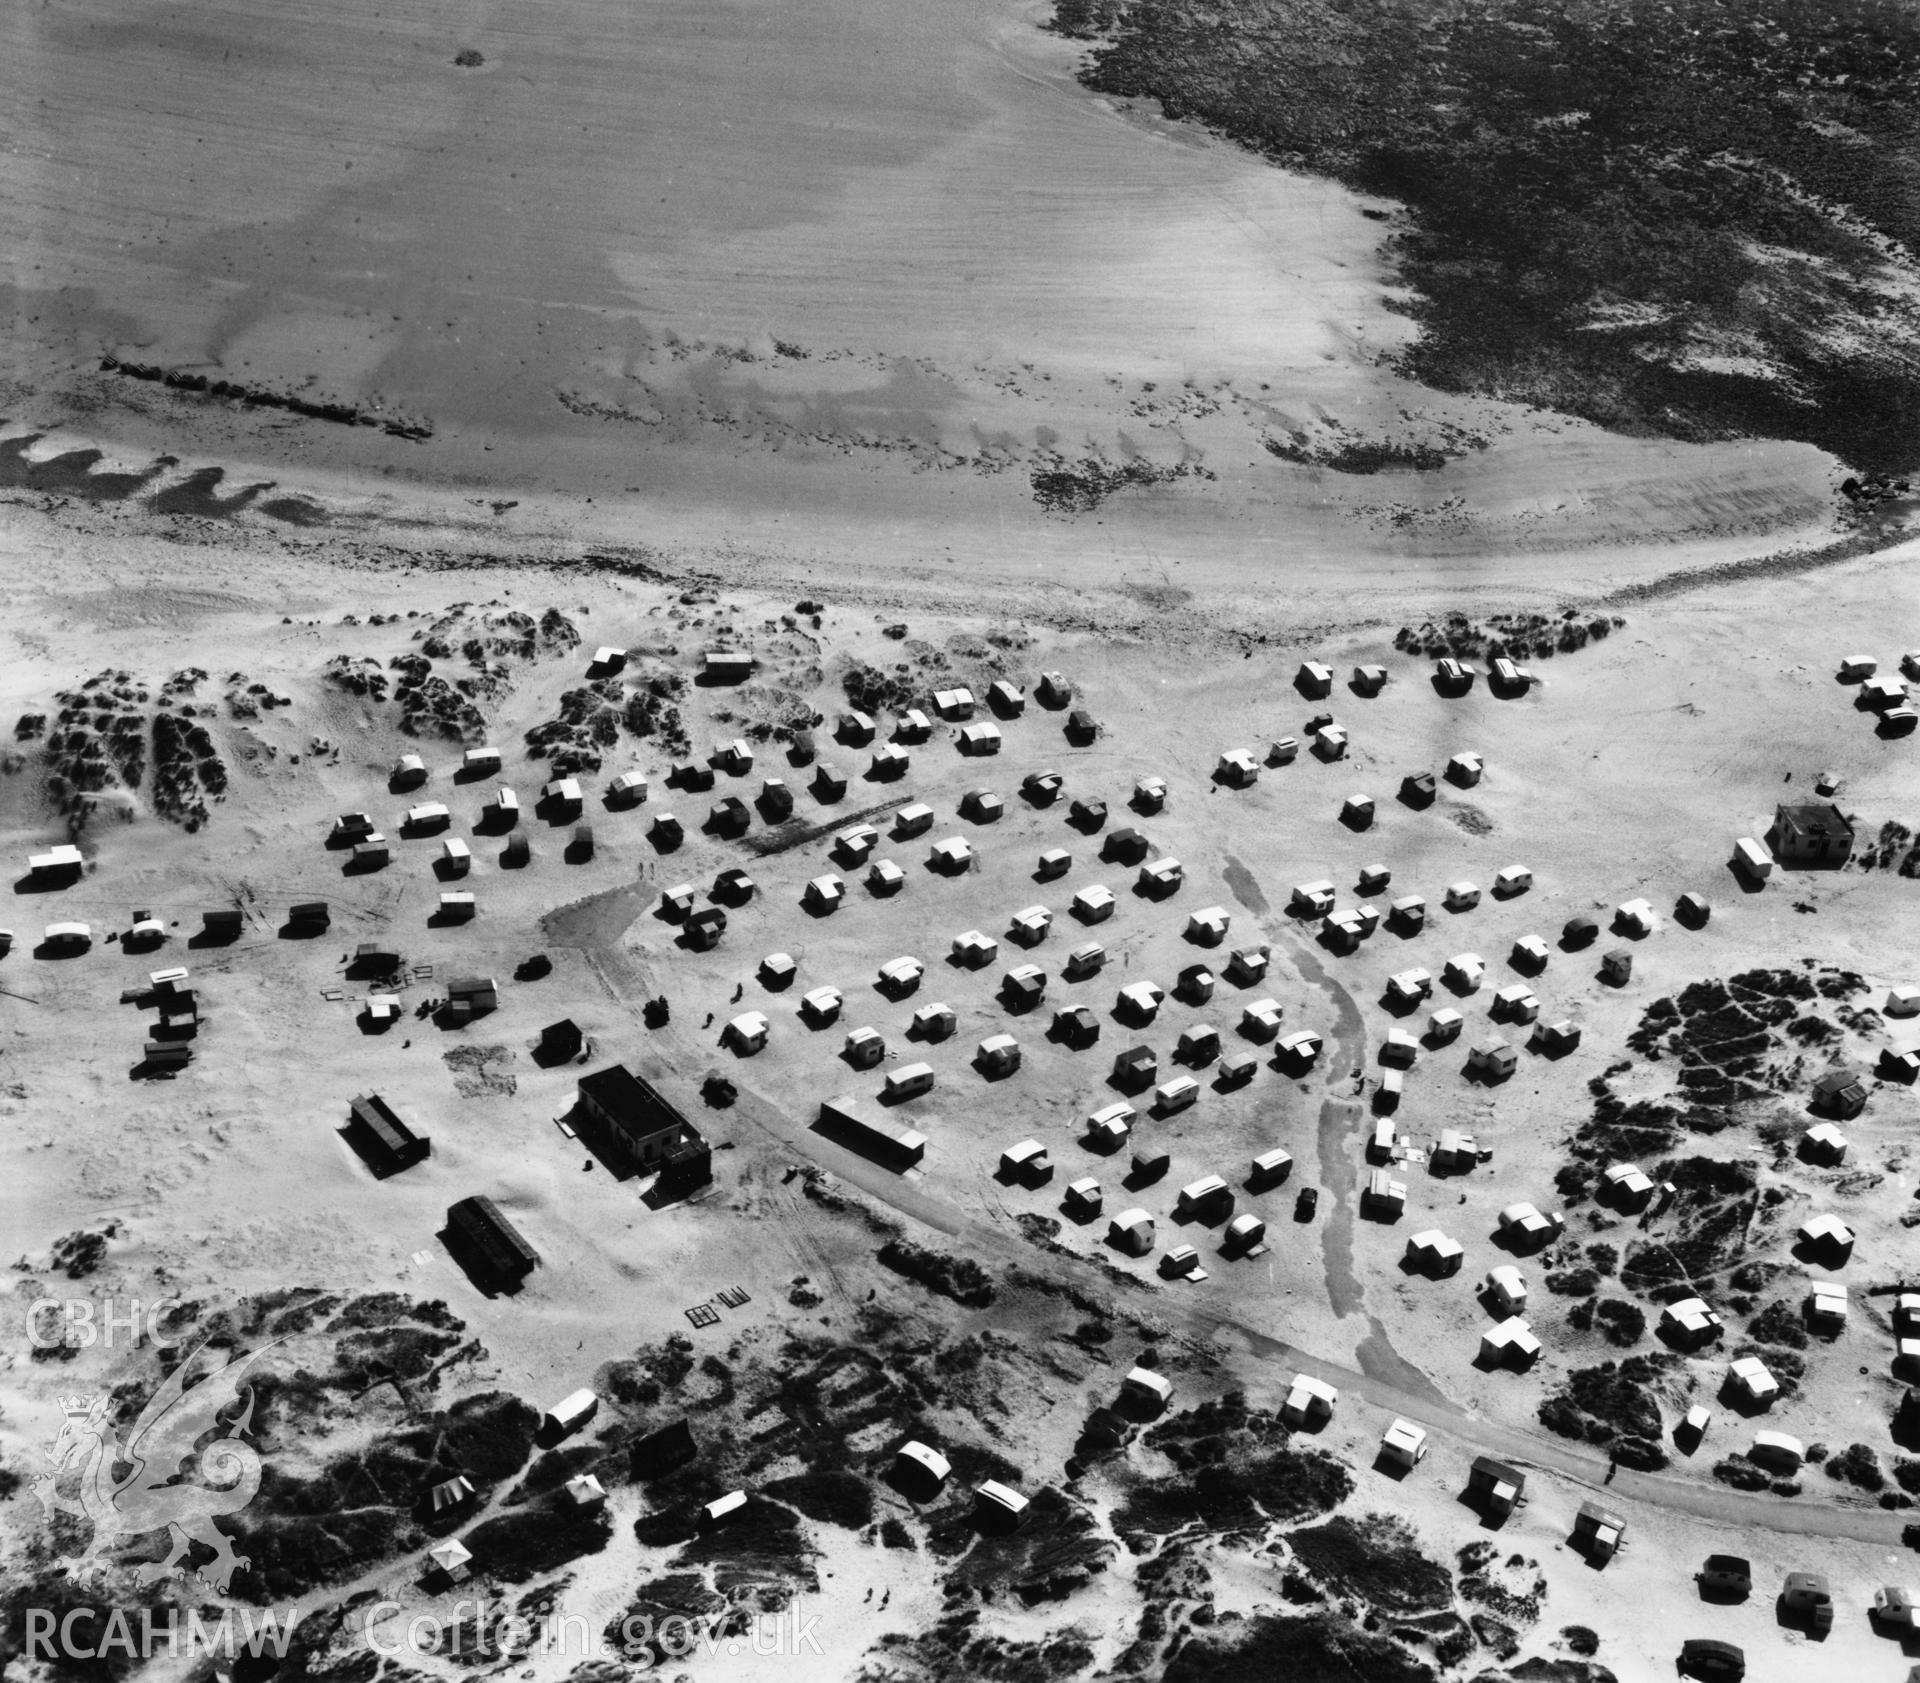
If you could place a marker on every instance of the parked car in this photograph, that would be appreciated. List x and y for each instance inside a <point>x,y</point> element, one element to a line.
<point>1306,1203</point>
<point>1725,1577</point>
<point>1708,1657</point>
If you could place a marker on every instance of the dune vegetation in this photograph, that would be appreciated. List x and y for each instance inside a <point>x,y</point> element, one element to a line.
<point>1695,220</point>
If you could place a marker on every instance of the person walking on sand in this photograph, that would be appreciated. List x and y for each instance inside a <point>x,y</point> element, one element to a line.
<point>1613,1467</point>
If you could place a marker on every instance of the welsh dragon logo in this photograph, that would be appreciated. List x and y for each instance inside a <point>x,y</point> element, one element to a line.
<point>160,1451</point>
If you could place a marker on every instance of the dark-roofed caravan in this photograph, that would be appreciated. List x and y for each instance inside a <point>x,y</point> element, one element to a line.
<point>661,1451</point>
<point>491,1241</point>
<point>385,1141</point>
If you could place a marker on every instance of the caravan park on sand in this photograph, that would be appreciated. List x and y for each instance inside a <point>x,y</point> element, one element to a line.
<point>845,835</point>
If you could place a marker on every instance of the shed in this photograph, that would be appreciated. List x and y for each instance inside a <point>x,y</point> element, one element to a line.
<point>1690,1324</point>
<point>1827,1304</point>
<point>1465,770</point>
<point>311,917</point>
<point>1509,1343</point>
<point>1839,1092</point>
<point>457,906</point>
<point>1627,1187</point>
<point>1827,1236</point>
<point>628,789</point>
<point>1597,1532</point>
<point>1825,1145</point>
<point>725,666</point>
<point>666,830</point>
<point>1524,1228</point>
<point>223,924</point>
<point>1750,1376</point>
<point>1432,1252</point>
<point>1383,1196</point>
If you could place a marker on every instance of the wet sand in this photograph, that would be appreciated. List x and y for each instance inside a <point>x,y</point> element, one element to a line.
<point>825,280</point>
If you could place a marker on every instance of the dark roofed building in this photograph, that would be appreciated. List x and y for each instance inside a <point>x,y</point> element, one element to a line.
<point>310,914</point>
<point>660,1452</point>
<point>1815,834</point>
<point>560,1042</point>
<point>387,1143</point>
<point>647,1127</point>
<point>493,1241</point>
<point>1840,1092</point>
